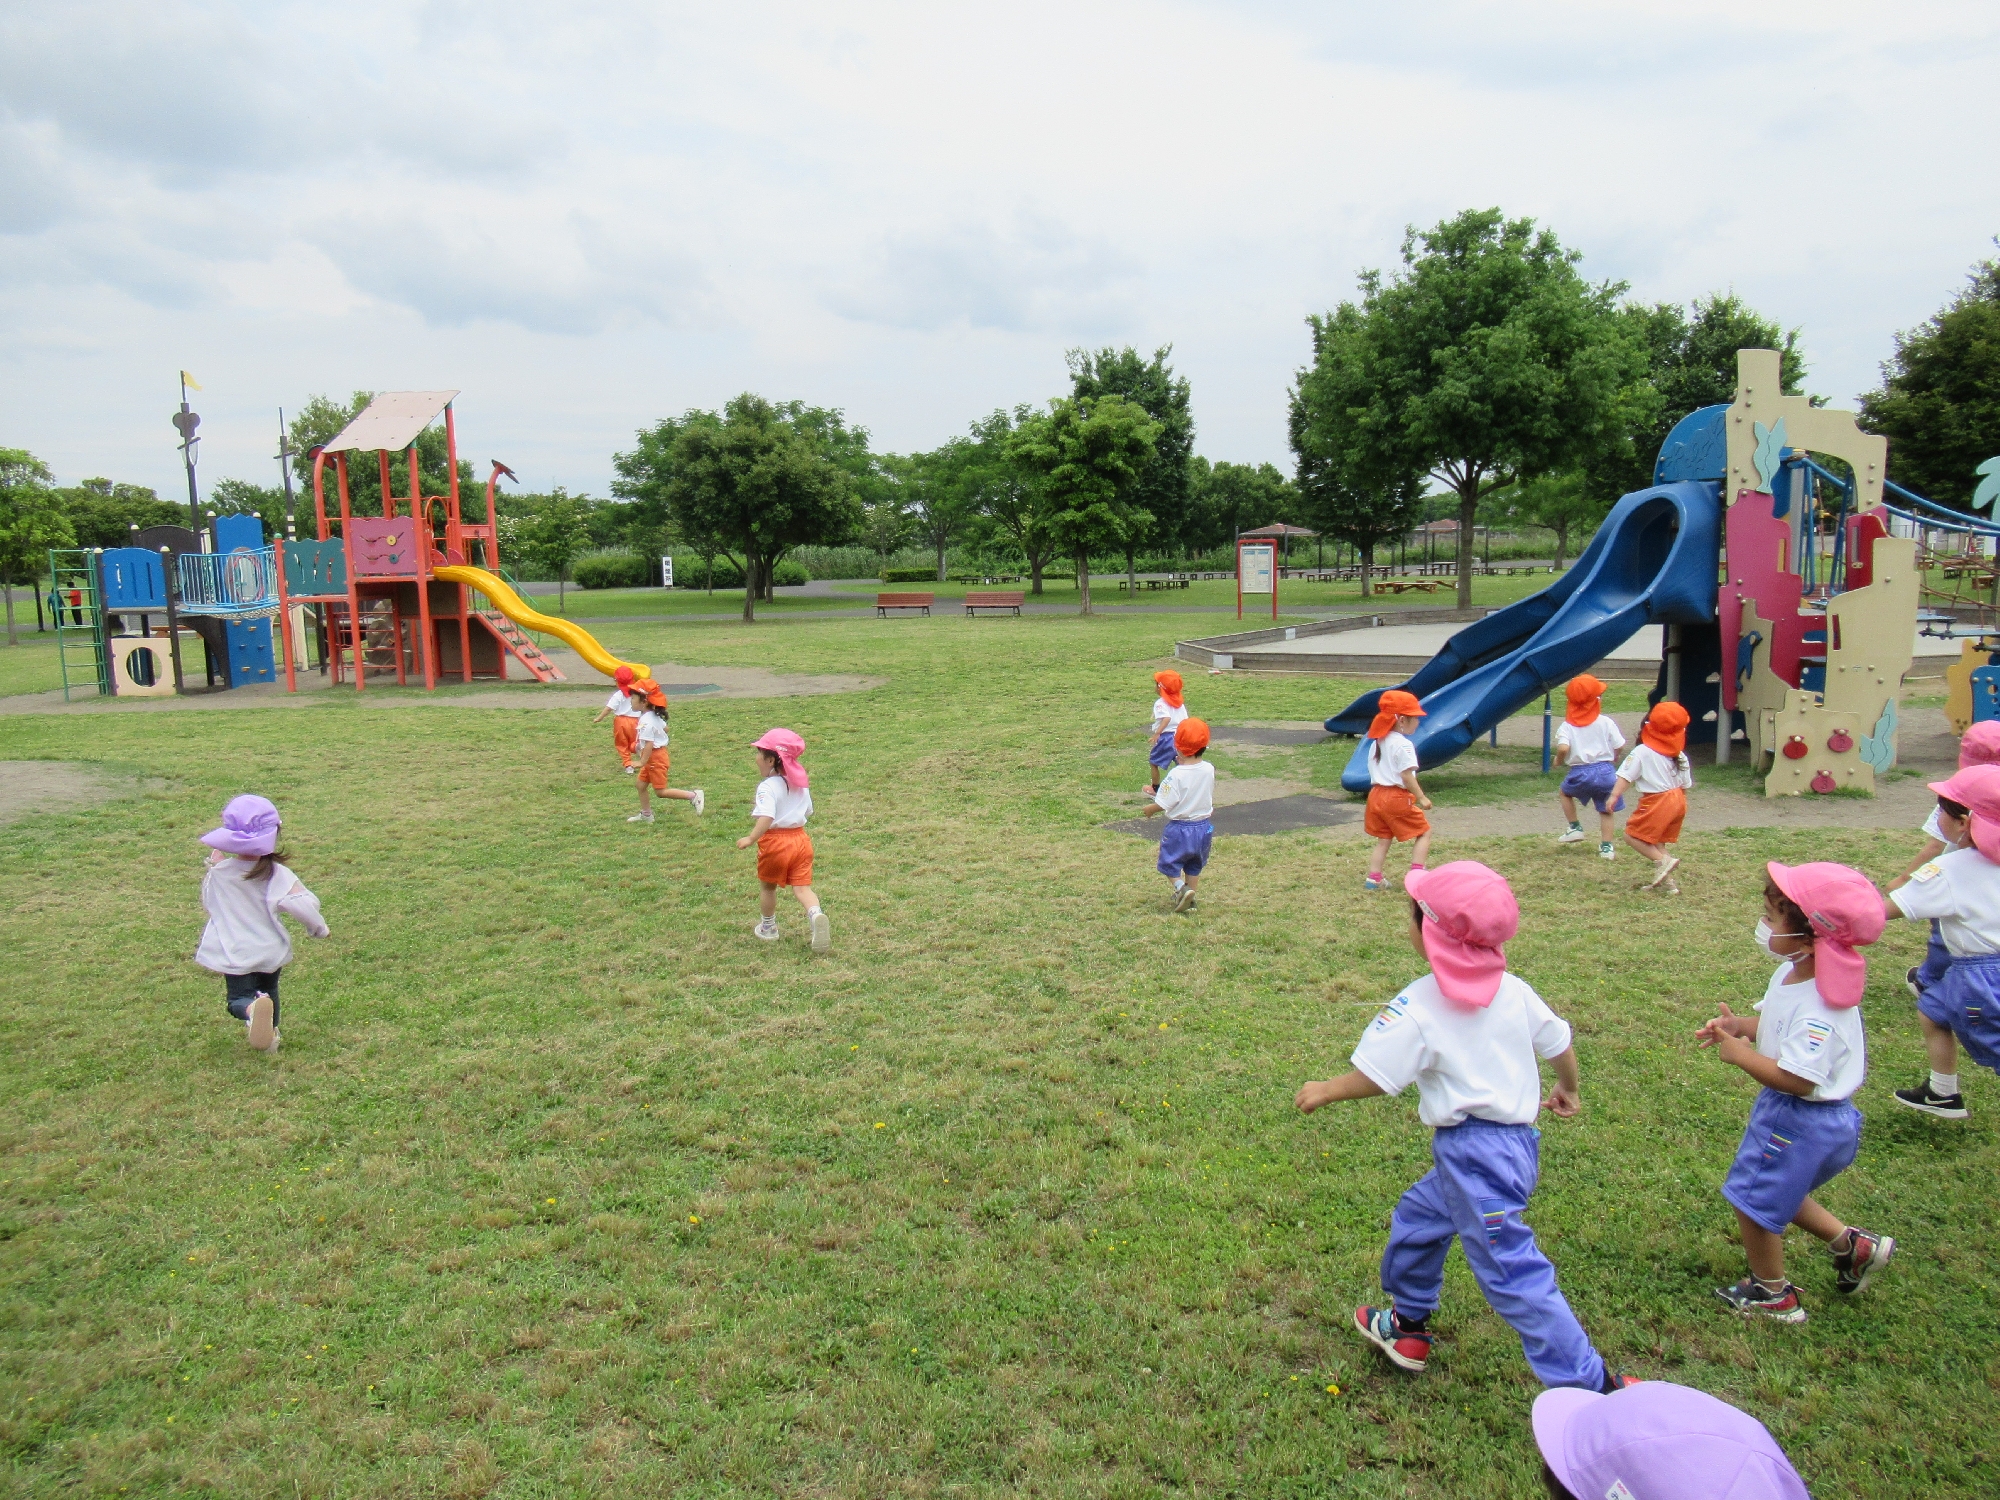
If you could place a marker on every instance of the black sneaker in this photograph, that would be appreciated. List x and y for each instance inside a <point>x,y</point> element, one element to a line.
<point>1866,1254</point>
<point>1944,1106</point>
<point>1910,982</point>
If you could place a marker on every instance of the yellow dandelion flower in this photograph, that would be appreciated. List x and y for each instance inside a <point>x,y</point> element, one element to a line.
<point>880,1126</point>
<point>694,1218</point>
<point>1333,1390</point>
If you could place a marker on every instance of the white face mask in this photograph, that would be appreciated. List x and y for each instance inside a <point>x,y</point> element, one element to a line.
<point>1764,935</point>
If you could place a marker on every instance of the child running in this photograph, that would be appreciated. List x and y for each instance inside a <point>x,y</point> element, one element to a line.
<point>1658,769</point>
<point>1468,1034</point>
<point>1168,712</point>
<point>650,752</point>
<point>1394,797</point>
<point>1187,797</point>
<point>1980,746</point>
<point>625,722</point>
<point>1961,889</point>
<point>778,829</point>
<point>1806,1047</point>
<point>1588,743</point>
<point>245,888</point>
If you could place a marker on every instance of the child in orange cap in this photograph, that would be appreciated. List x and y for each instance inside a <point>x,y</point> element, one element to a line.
<point>1588,744</point>
<point>1658,769</point>
<point>778,829</point>
<point>1168,712</point>
<point>649,749</point>
<point>1394,797</point>
<point>1187,797</point>
<point>624,705</point>
<point>1471,1037</point>
<point>1806,1047</point>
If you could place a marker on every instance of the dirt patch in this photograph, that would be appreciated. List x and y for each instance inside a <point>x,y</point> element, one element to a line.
<point>28,787</point>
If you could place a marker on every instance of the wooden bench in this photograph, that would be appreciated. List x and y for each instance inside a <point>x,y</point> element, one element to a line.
<point>1409,585</point>
<point>886,602</point>
<point>1000,600</point>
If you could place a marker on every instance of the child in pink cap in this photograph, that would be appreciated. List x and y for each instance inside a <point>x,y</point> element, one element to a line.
<point>1979,746</point>
<point>1806,1047</point>
<point>245,889</point>
<point>1961,890</point>
<point>1470,1036</point>
<point>778,829</point>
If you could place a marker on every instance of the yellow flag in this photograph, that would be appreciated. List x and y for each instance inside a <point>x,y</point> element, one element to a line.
<point>187,379</point>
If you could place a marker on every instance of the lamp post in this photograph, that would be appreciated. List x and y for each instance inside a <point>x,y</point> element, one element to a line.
<point>185,422</point>
<point>284,456</point>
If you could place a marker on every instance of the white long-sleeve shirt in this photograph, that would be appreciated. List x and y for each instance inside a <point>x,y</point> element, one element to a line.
<point>244,934</point>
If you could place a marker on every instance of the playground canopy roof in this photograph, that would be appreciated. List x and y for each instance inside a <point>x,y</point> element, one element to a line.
<point>1278,529</point>
<point>391,421</point>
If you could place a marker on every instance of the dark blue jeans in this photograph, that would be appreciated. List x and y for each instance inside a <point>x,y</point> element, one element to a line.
<point>241,989</point>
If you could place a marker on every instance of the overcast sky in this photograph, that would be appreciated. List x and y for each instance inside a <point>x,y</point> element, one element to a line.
<point>590,215</point>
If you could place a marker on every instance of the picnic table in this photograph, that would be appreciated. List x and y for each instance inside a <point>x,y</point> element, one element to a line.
<point>1172,581</point>
<point>1410,585</point>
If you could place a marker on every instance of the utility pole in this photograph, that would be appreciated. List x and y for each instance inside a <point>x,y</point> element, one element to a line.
<point>284,456</point>
<point>185,422</point>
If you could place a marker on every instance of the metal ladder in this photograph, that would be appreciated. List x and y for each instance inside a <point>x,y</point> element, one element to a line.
<point>525,651</point>
<point>80,647</point>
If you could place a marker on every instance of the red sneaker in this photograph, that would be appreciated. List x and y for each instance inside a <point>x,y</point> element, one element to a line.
<point>1406,1350</point>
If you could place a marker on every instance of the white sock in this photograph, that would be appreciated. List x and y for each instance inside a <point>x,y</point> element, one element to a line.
<point>1944,1083</point>
<point>1179,883</point>
<point>813,913</point>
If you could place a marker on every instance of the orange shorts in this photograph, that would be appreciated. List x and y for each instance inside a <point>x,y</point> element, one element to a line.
<point>1657,819</point>
<point>624,733</point>
<point>654,772</point>
<point>785,857</point>
<point>1393,814</point>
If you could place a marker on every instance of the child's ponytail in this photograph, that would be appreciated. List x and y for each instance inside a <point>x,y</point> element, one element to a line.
<point>266,863</point>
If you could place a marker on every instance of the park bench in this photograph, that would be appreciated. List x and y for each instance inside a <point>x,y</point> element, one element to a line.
<point>886,602</point>
<point>1004,599</point>
<point>1409,585</point>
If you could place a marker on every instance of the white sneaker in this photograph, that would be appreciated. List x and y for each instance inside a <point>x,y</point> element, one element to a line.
<point>767,930</point>
<point>631,770</point>
<point>1605,851</point>
<point>640,818</point>
<point>822,932</point>
<point>1665,869</point>
<point>262,1033</point>
<point>700,801</point>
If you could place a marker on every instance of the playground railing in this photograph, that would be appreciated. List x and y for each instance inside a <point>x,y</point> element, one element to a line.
<point>235,585</point>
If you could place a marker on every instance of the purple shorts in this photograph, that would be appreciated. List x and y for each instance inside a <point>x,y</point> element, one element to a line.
<point>1966,999</point>
<point>1162,753</point>
<point>1593,784</point>
<point>1184,846</point>
<point>1791,1147</point>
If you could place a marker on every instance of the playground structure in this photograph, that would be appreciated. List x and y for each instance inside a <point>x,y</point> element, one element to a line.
<point>1799,646</point>
<point>376,594</point>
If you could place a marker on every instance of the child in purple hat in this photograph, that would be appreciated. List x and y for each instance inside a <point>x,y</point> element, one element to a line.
<point>1658,1441</point>
<point>246,886</point>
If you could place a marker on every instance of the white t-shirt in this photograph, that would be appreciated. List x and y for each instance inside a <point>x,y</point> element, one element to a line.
<point>1589,744</point>
<point>1187,793</point>
<point>1467,1061</point>
<point>1396,756</point>
<point>1648,771</point>
<point>1810,1039</point>
<point>785,807</point>
<point>244,935</point>
<point>1961,888</point>
<point>620,703</point>
<point>652,730</point>
<point>1173,716</point>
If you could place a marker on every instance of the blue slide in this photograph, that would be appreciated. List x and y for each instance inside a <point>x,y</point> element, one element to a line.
<point>1652,562</point>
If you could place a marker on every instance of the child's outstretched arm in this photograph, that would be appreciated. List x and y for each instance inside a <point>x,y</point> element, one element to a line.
<point>1410,784</point>
<point>1354,1085</point>
<point>302,906</point>
<point>1741,1052</point>
<point>758,828</point>
<point>1618,790</point>
<point>1564,1099</point>
<point>1932,849</point>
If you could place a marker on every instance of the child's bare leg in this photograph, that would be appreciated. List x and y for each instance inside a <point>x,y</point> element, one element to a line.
<point>1193,881</point>
<point>677,794</point>
<point>1941,1045</point>
<point>808,897</point>
<point>1765,1250</point>
<point>1654,852</point>
<point>1816,1221</point>
<point>767,901</point>
<point>1380,857</point>
<point>645,797</point>
<point>1422,852</point>
<point>1569,806</point>
<point>1607,827</point>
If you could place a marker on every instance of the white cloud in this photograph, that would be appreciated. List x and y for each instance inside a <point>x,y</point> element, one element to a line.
<point>592,215</point>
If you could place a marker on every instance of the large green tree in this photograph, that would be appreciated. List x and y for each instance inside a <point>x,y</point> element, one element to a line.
<point>938,493</point>
<point>1228,497</point>
<point>102,512</point>
<point>1164,488</point>
<point>1008,492</point>
<point>1341,497</point>
<point>765,477</point>
<point>32,520</point>
<point>1939,401</point>
<point>1485,359</point>
<point>551,534</point>
<point>239,497</point>
<point>1088,456</point>
<point>1562,504</point>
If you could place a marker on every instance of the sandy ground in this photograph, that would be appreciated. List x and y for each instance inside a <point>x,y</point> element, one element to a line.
<point>584,689</point>
<point>40,786</point>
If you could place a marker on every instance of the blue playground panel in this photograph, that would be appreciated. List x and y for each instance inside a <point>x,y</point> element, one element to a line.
<point>251,658</point>
<point>134,579</point>
<point>1985,694</point>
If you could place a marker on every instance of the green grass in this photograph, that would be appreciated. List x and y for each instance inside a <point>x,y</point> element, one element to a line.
<point>564,1183</point>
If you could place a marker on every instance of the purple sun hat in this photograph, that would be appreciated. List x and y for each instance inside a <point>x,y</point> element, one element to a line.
<point>249,826</point>
<point>1660,1441</point>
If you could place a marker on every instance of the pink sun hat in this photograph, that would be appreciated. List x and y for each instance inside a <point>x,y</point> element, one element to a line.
<point>249,826</point>
<point>1660,1441</point>
<point>1977,789</point>
<point>788,747</point>
<point>1469,912</point>
<point>1980,745</point>
<point>1845,911</point>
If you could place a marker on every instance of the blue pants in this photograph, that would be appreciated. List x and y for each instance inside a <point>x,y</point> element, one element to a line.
<point>1594,784</point>
<point>1185,845</point>
<point>1967,999</point>
<point>1791,1148</point>
<point>1936,960</point>
<point>1476,1190</point>
<point>238,990</point>
<point>1162,753</point>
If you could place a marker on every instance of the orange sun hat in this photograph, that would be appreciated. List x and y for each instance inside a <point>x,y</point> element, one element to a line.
<point>1391,706</point>
<point>1665,729</point>
<point>1583,693</point>
<point>1171,687</point>
<point>1191,736</point>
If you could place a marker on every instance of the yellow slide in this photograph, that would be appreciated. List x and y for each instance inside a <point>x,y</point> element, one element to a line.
<point>517,609</point>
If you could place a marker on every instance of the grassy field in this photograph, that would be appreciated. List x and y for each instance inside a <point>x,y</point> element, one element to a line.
<point>564,1182</point>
